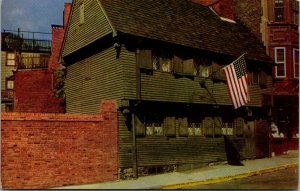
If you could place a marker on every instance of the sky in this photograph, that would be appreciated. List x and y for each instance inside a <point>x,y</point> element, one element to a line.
<point>31,15</point>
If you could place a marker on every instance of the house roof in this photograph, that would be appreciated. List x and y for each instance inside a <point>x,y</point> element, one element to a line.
<point>185,23</point>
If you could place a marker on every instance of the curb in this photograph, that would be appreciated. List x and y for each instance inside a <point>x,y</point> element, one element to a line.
<point>226,178</point>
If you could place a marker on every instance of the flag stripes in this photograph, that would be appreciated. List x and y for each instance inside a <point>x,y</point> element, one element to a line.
<point>237,82</point>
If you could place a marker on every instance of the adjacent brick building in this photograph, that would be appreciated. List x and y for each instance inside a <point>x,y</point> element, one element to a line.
<point>32,51</point>
<point>276,22</point>
<point>34,89</point>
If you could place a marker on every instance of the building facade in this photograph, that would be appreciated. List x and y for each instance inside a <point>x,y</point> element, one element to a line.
<point>276,23</point>
<point>34,75</point>
<point>21,50</point>
<point>174,109</point>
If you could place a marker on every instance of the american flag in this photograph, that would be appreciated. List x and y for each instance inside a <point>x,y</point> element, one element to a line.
<point>237,82</point>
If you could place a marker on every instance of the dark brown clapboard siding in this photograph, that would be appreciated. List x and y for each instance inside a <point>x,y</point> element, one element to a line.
<point>163,86</point>
<point>94,27</point>
<point>183,150</point>
<point>83,96</point>
<point>128,62</point>
<point>125,143</point>
<point>160,150</point>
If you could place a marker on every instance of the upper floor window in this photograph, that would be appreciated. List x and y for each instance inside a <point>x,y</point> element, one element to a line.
<point>296,62</point>
<point>280,68</point>
<point>296,12</point>
<point>161,60</point>
<point>81,13</point>
<point>202,67</point>
<point>279,11</point>
<point>166,61</point>
<point>10,59</point>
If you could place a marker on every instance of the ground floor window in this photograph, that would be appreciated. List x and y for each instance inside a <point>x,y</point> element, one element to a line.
<point>154,125</point>
<point>207,126</point>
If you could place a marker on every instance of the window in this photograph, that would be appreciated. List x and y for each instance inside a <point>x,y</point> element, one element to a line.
<point>154,125</point>
<point>31,60</point>
<point>280,70</point>
<point>195,126</point>
<point>227,128</point>
<point>9,84</point>
<point>202,67</point>
<point>296,62</point>
<point>279,11</point>
<point>234,127</point>
<point>161,60</point>
<point>10,59</point>
<point>296,12</point>
<point>81,13</point>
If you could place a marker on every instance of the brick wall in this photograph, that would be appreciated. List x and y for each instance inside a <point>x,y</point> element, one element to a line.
<point>250,13</point>
<point>51,150</point>
<point>34,92</point>
<point>224,8</point>
<point>34,89</point>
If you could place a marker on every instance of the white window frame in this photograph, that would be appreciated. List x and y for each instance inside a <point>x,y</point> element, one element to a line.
<point>280,62</point>
<point>294,62</point>
<point>10,59</point>
<point>9,84</point>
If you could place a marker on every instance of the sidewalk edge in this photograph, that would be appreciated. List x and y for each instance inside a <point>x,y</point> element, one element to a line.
<point>226,178</point>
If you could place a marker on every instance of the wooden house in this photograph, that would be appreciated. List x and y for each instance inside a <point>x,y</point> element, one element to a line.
<point>161,61</point>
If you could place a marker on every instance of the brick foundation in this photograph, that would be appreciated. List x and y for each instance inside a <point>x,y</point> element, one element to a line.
<point>50,150</point>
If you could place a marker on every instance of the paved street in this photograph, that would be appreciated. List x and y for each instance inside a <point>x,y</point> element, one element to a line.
<point>281,179</point>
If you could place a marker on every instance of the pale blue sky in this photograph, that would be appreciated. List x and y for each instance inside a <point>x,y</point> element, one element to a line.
<point>31,15</point>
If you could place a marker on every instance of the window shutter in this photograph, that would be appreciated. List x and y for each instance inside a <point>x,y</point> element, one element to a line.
<point>183,126</point>
<point>218,125</point>
<point>239,126</point>
<point>250,77</point>
<point>262,79</point>
<point>169,126</point>
<point>188,66</point>
<point>177,65</point>
<point>219,75</point>
<point>208,126</point>
<point>144,58</point>
<point>139,126</point>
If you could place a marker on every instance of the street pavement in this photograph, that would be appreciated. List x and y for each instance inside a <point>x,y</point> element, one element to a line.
<point>206,175</point>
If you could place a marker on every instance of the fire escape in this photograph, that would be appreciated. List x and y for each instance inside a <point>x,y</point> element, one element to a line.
<point>25,50</point>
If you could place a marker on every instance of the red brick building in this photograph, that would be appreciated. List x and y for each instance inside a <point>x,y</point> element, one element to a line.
<point>276,22</point>
<point>278,27</point>
<point>34,90</point>
<point>283,46</point>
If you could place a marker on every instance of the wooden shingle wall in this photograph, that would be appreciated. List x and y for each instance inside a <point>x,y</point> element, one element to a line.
<point>85,87</point>
<point>94,26</point>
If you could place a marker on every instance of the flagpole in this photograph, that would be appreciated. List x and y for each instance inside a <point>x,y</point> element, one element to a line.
<point>224,66</point>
